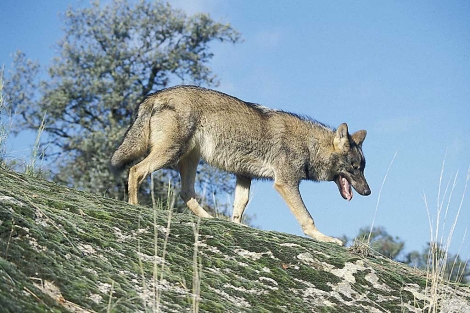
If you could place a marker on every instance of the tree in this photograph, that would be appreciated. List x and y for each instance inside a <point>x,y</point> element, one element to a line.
<point>111,57</point>
<point>435,258</point>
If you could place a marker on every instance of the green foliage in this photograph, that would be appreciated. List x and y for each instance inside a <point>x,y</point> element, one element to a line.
<point>451,266</point>
<point>110,58</point>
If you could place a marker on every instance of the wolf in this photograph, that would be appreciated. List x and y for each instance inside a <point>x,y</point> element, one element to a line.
<point>178,126</point>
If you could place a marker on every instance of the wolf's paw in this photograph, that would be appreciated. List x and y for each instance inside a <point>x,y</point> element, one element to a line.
<point>315,234</point>
<point>205,215</point>
<point>331,239</point>
<point>194,206</point>
<point>337,241</point>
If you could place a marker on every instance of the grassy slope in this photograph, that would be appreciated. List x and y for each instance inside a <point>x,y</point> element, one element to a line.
<point>67,250</point>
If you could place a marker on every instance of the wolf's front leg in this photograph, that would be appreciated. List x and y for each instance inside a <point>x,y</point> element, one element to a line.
<point>291,195</point>
<point>242,195</point>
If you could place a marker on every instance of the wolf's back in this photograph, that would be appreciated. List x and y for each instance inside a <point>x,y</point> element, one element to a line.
<point>136,139</point>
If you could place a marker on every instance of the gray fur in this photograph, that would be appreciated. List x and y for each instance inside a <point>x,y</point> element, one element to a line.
<point>178,126</point>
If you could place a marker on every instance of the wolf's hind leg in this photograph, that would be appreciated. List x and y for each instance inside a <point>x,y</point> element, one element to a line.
<point>187,167</point>
<point>242,195</point>
<point>291,195</point>
<point>158,158</point>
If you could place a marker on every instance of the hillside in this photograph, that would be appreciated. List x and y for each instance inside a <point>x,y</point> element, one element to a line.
<point>63,250</point>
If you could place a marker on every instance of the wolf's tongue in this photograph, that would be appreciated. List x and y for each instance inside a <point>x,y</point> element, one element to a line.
<point>345,188</point>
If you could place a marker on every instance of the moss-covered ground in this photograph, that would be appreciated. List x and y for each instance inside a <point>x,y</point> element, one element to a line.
<point>63,250</point>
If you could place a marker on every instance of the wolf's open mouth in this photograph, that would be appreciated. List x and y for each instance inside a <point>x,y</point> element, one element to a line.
<point>344,187</point>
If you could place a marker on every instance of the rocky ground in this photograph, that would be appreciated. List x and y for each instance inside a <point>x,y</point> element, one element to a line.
<point>63,250</point>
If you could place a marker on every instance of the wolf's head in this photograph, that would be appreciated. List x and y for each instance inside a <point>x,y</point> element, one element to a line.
<point>349,162</point>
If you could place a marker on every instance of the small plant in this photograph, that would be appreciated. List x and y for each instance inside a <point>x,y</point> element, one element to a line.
<point>31,168</point>
<point>438,256</point>
<point>3,127</point>
<point>170,204</point>
<point>197,269</point>
<point>361,244</point>
<point>378,198</point>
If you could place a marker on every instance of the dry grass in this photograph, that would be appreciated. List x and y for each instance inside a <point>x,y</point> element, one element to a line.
<point>4,129</point>
<point>197,269</point>
<point>441,238</point>
<point>31,168</point>
<point>378,197</point>
<point>158,279</point>
<point>158,271</point>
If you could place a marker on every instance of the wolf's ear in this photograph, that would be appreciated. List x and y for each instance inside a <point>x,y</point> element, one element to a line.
<point>359,136</point>
<point>341,140</point>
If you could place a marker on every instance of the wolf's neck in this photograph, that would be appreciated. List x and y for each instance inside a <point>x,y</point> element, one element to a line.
<point>321,154</point>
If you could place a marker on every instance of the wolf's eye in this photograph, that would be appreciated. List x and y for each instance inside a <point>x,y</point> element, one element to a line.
<point>355,166</point>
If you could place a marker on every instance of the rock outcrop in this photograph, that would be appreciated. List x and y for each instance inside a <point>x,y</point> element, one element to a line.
<point>63,250</point>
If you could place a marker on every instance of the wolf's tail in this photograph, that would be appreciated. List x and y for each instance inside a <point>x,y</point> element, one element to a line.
<point>136,140</point>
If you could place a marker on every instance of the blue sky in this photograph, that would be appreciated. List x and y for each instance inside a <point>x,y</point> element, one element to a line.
<point>399,69</point>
